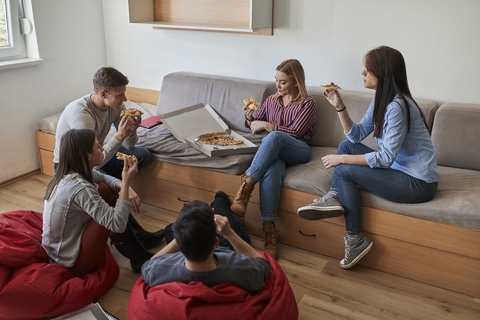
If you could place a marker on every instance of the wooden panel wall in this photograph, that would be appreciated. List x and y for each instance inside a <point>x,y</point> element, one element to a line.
<point>211,12</point>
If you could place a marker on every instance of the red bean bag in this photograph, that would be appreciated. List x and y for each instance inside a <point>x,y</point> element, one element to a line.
<point>31,288</point>
<point>226,301</point>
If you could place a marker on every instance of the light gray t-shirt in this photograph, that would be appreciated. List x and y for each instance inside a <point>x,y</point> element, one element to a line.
<point>81,114</point>
<point>72,205</point>
<point>249,273</point>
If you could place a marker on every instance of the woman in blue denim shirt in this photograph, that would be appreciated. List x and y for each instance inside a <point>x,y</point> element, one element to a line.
<point>403,170</point>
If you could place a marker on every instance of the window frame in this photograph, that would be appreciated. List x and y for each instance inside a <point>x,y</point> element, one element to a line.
<point>16,49</point>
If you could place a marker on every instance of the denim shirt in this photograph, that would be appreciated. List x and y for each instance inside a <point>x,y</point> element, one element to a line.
<point>411,152</point>
<point>72,205</point>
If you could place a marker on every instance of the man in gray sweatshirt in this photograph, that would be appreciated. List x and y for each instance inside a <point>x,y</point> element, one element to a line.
<point>197,254</point>
<point>98,111</point>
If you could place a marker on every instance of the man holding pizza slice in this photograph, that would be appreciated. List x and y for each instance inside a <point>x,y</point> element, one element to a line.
<point>98,111</point>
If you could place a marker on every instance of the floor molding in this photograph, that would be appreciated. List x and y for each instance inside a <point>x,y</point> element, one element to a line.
<point>20,177</point>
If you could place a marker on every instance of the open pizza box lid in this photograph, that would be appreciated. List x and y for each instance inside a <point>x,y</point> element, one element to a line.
<point>189,123</point>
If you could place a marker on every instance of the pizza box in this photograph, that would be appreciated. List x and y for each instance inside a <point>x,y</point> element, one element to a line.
<point>189,123</point>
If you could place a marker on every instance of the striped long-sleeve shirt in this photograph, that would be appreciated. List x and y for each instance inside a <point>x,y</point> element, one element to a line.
<point>298,121</point>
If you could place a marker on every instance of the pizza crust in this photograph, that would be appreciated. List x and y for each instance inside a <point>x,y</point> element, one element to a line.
<point>131,111</point>
<point>331,86</point>
<point>251,103</point>
<point>123,156</point>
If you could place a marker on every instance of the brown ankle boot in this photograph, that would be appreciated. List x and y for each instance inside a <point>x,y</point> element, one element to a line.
<point>270,239</point>
<point>239,205</point>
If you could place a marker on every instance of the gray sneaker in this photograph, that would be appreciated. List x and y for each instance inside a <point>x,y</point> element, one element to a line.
<point>355,249</point>
<point>326,207</point>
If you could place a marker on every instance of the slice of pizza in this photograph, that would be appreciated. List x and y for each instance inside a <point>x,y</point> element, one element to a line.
<point>331,86</point>
<point>220,140</point>
<point>131,111</point>
<point>123,156</point>
<point>251,103</point>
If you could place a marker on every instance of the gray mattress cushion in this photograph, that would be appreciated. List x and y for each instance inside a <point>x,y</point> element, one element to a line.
<point>311,177</point>
<point>165,147</point>
<point>455,135</point>
<point>225,95</point>
<point>49,124</point>
<point>456,201</point>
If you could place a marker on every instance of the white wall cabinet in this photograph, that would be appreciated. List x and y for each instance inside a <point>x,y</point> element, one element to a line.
<point>238,16</point>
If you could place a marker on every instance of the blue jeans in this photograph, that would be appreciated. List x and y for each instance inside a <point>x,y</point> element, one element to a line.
<point>277,151</point>
<point>114,167</point>
<point>390,184</point>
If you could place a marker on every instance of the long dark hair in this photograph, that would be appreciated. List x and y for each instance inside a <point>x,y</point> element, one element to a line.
<point>388,66</point>
<point>74,148</point>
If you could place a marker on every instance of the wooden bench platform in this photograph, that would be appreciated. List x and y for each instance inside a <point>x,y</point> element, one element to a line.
<point>431,252</point>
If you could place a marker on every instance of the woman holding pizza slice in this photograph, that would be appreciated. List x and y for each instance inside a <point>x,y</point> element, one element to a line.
<point>76,219</point>
<point>403,170</point>
<point>289,116</point>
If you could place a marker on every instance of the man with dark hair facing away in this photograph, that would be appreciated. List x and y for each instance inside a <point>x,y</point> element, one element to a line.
<point>98,111</point>
<point>197,254</point>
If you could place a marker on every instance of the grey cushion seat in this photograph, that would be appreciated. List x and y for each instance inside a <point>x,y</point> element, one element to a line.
<point>456,201</point>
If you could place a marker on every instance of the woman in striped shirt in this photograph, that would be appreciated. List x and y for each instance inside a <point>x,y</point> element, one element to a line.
<point>289,116</point>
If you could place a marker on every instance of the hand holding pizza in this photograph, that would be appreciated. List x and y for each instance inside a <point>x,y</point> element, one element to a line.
<point>248,112</point>
<point>126,128</point>
<point>136,123</point>
<point>333,96</point>
<point>135,114</point>
<point>250,106</point>
<point>130,167</point>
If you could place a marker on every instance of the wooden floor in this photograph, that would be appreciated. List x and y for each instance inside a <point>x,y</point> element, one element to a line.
<point>322,289</point>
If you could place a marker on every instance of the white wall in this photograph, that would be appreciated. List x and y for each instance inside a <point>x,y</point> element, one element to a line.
<point>438,38</point>
<point>71,43</point>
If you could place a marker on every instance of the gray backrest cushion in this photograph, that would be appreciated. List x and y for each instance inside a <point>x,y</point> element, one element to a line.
<point>328,129</point>
<point>455,134</point>
<point>224,94</point>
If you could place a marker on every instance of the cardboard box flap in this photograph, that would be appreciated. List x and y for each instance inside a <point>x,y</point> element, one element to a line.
<point>200,120</point>
<point>189,123</point>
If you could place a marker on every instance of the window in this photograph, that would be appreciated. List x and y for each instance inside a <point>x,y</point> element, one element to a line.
<point>12,42</point>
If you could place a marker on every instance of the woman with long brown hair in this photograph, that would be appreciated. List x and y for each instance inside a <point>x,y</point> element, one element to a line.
<point>403,170</point>
<point>76,220</point>
<point>289,116</point>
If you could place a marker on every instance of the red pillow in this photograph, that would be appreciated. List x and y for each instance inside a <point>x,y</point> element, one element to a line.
<point>226,301</point>
<point>31,288</point>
